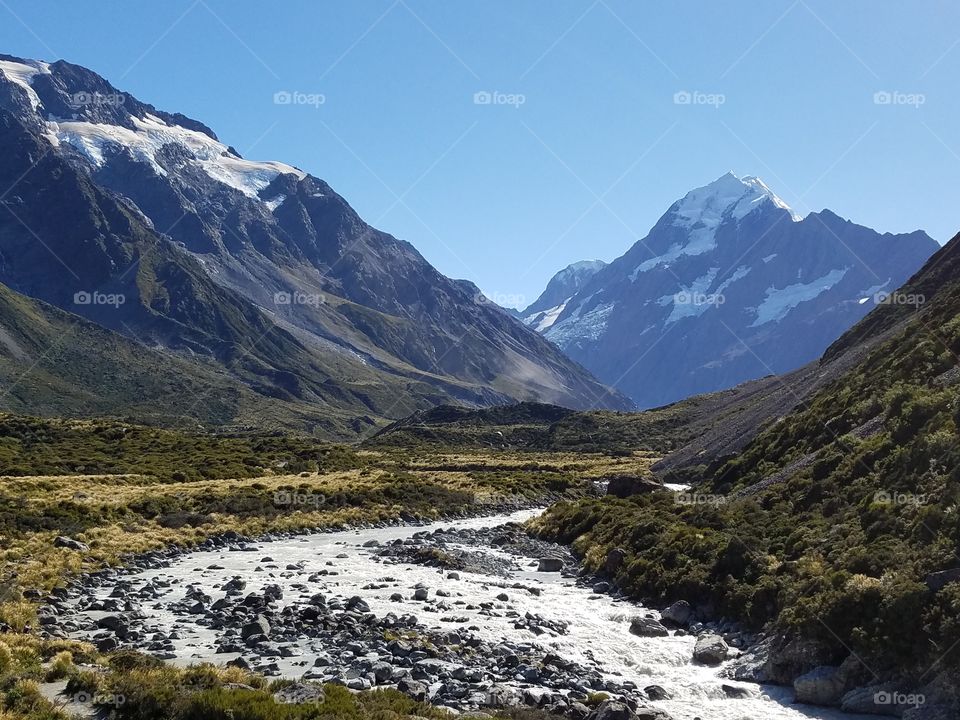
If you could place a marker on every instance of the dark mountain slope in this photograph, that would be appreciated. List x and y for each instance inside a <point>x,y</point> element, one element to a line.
<point>255,264</point>
<point>56,363</point>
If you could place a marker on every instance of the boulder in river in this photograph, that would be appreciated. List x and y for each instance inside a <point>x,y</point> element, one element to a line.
<point>647,627</point>
<point>656,692</point>
<point>677,614</point>
<point>550,564</point>
<point>116,624</point>
<point>710,649</point>
<point>735,692</point>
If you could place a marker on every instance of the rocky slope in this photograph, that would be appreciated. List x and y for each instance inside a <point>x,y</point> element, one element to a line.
<point>145,223</point>
<point>728,286</point>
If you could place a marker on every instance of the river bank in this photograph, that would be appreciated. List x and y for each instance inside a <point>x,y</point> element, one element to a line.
<point>459,613</point>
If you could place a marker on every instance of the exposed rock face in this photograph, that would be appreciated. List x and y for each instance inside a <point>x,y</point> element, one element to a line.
<point>543,312</point>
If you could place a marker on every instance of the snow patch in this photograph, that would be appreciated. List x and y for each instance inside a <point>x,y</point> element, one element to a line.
<point>690,300</point>
<point>23,74</point>
<point>779,302</point>
<point>152,133</point>
<point>274,203</point>
<point>588,326</point>
<point>546,318</point>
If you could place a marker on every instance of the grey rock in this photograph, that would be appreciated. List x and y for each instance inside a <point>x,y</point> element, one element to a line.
<point>735,692</point>
<point>823,685</point>
<point>260,626</point>
<point>62,541</point>
<point>416,690</point>
<point>300,694</point>
<point>938,580</point>
<point>710,649</point>
<point>656,692</point>
<point>648,627</point>
<point>550,564</point>
<point>612,710</point>
<point>678,613</point>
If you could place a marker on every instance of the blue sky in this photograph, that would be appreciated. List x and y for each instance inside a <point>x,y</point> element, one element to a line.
<point>508,139</point>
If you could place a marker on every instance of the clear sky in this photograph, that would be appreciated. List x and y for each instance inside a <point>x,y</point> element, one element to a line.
<point>508,138</point>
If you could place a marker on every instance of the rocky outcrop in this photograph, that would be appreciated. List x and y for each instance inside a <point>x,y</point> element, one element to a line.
<point>623,486</point>
<point>938,580</point>
<point>62,541</point>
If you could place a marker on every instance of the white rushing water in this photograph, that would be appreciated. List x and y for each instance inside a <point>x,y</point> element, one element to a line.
<point>597,633</point>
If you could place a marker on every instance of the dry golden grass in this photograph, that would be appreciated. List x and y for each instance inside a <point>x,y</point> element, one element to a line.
<point>486,477</point>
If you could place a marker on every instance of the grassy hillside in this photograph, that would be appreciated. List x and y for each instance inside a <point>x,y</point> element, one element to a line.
<point>56,363</point>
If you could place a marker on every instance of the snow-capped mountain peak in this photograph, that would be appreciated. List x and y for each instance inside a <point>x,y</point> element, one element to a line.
<point>727,196</point>
<point>725,288</point>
